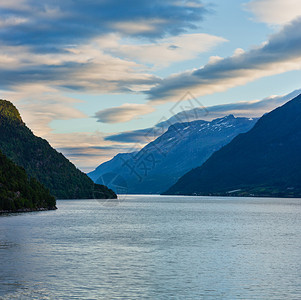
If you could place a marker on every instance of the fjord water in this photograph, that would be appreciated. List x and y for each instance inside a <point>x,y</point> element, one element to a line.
<point>154,247</point>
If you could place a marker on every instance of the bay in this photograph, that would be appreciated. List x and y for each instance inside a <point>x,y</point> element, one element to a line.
<point>154,247</point>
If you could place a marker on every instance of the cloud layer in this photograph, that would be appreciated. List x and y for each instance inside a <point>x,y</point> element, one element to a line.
<point>246,109</point>
<point>134,137</point>
<point>78,45</point>
<point>281,53</point>
<point>275,11</point>
<point>169,50</point>
<point>47,24</point>
<point>124,113</point>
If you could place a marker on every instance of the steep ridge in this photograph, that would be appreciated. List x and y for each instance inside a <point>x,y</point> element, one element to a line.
<point>43,162</point>
<point>265,161</point>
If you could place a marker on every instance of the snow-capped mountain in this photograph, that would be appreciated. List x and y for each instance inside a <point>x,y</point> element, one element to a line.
<point>161,163</point>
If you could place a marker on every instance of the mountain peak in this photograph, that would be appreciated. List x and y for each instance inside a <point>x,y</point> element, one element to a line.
<point>231,116</point>
<point>9,112</point>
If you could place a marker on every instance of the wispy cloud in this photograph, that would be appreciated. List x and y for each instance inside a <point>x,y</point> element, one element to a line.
<point>81,68</point>
<point>39,105</point>
<point>105,64</point>
<point>90,148</point>
<point>52,24</point>
<point>66,44</point>
<point>274,11</point>
<point>135,136</point>
<point>124,113</point>
<point>168,50</point>
<point>246,109</point>
<point>281,53</point>
<point>48,48</point>
<point>86,158</point>
<point>255,108</point>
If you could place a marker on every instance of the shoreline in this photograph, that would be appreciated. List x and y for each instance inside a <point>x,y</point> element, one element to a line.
<point>24,210</point>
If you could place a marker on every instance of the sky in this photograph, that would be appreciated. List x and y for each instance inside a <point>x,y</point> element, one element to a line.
<point>92,76</point>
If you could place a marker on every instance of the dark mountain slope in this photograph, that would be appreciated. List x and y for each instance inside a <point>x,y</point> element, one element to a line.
<point>18,192</point>
<point>266,161</point>
<point>43,162</point>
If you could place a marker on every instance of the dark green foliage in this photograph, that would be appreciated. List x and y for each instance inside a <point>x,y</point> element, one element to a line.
<point>17,191</point>
<point>8,113</point>
<point>41,161</point>
<point>266,161</point>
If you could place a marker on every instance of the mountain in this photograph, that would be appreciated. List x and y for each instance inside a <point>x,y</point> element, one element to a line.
<point>43,162</point>
<point>162,162</point>
<point>265,161</point>
<point>19,192</point>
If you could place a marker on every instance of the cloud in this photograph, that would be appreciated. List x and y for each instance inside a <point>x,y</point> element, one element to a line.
<point>84,68</point>
<point>124,113</point>
<point>281,53</point>
<point>275,11</point>
<point>246,109</point>
<point>86,158</point>
<point>52,47</point>
<point>135,136</point>
<point>255,108</point>
<point>169,50</point>
<point>138,27</point>
<point>50,24</point>
<point>39,105</point>
<point>90,149</point>
<point>66,44</point>
<point>103,65</point>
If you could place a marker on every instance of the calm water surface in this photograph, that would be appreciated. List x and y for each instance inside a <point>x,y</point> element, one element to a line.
<point>151,247</point>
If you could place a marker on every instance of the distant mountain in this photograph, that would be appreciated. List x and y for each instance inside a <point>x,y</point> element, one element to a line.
<point>266,161</point>
<point>43,162</point>
<point>18,192</point>
<point>162,162</point>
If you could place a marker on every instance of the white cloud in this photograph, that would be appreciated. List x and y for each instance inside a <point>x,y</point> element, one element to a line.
<point>275,11</point>
<point>169,50</point>
<point>138,27</point>
<point>39,105</point>
<point>13,4</point>
<point>86,67</point>
<point>90,148</point>
<point>12,21</point>
<point>280,54</point>
<point>124,113</point>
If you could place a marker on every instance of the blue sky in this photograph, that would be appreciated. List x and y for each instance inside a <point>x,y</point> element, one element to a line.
<point>82,72</point>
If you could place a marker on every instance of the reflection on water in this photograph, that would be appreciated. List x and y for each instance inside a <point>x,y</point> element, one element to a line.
<point>7,245</point>
<point>151,247</point>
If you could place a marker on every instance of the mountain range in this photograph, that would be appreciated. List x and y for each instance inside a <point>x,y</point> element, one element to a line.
<point>162,162</point>
<point>265,161</point>
<point>42,162</point>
